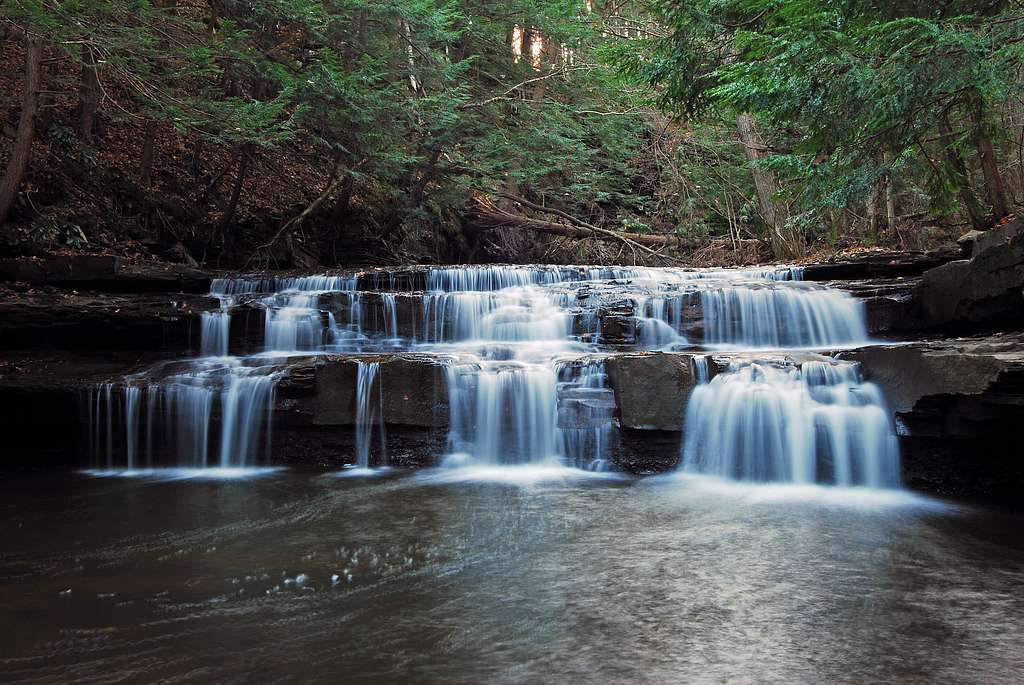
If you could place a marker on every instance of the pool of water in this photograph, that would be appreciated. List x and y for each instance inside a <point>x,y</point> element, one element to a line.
<point>503,575</point>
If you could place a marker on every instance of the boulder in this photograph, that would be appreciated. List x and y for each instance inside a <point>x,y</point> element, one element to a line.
<point>985,292</point>
<point>651,390</point>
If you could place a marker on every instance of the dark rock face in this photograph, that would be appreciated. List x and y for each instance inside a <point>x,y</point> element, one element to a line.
<point>651,390</point>
<point>889,304</point>
<point>322,392</point>
<point>957,404</point>
<point>884,265</point>
<point>53,318</point>
<point>985,292</point>
<point>111,274</point>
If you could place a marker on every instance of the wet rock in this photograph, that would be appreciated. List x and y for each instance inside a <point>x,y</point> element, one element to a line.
<point>323,390</point>
<point>889,304</point>
<point>881,265</point>
<point>957,404</point>
<point>57,318</point>
<point>651,389</point>
<point>179,254</point>
<point>618,327</point>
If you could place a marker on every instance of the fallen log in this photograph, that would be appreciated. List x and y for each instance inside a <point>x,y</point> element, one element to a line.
<point>488,215</point>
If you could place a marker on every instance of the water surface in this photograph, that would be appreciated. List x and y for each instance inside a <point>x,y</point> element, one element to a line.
<point>512,575</point>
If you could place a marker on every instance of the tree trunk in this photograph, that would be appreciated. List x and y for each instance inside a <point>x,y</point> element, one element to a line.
<point>872,210</point>
<point>785,242</point>
<point>993,178</point>
<point>236,190</point>
<point>890,194</point>
<point>994,186</point>
<point>970,201</point>
<point>146,162</point>
<point>89,94</point>
<point>22,147</point>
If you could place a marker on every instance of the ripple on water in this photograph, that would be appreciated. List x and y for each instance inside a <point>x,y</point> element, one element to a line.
<point>184,473</point>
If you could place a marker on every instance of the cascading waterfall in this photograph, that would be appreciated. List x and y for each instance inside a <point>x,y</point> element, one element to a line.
<point>771,317</point>
<point>215,333</point>
<point>503,413</point>
<point>369,412</point>
<point>523,350</point>
<point>586,415</point>
<point>815,422</point>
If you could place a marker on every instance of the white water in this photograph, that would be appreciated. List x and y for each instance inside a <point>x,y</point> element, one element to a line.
<point>369,412</point>
<point>816,422</point>
<point>523,351</point>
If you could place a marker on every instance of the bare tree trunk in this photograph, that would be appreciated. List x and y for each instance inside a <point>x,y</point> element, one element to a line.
<point>414,83</point>
<point>785,243</point>
<point>146,161</point>
<point>872,210</point>
<point>89,94</point>
<point>994,186</point>
<point>993,178</point>
<point>970,201</point>
<point>236,190</point>
<point>890,194</point>
<point>22,148</point>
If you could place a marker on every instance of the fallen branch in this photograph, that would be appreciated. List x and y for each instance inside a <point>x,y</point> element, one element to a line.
<point>490,215</point>
<point>333,182</point>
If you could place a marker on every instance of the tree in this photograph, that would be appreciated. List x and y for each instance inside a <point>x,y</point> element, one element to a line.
<point>22,148</point>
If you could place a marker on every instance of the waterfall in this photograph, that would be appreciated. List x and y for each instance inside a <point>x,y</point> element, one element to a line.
<point>502,413</point>
<point>215,332</point>
<point>586,415</point>
<point>817,422</point>
<point>524,355</point>
<point>658,321</point>
<point>369,412</point>
<point>132,398</point>
<point>293,324</point>
<point>246,403</point>
<point>771,317</point>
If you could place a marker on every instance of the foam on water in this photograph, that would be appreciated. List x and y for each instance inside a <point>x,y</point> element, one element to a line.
<point>816,422</point>
<point>212,473</point>
<point>522,350</point>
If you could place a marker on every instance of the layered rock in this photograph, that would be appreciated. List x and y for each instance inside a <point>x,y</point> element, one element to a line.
<point>54,318</point>
<point>957,404</point>
<point>984,292</point>
<point>101,272</point>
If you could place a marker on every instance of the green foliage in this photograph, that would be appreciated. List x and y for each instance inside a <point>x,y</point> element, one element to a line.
<point>418,102</point>
<point>841,86</point>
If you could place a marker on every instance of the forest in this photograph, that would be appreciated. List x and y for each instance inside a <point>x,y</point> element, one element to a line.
<point>270,134</point>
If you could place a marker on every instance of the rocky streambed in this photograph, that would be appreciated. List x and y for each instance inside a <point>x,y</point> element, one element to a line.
<point>80,333</point>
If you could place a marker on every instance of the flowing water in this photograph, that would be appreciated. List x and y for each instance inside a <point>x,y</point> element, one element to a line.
<point>523,349</point>
<point>781,551</point>
<point>526,574</point>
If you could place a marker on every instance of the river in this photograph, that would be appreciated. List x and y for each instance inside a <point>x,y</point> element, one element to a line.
<point>514,574</point>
